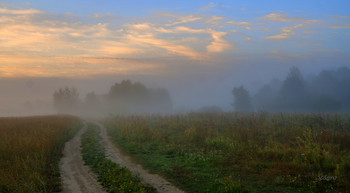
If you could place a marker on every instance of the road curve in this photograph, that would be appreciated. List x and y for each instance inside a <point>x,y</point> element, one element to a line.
<point>154,180</point>
<point>77,177</point>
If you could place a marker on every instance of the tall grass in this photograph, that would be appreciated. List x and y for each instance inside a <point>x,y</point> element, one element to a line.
<point>30,148</point>
<point>232,152</point>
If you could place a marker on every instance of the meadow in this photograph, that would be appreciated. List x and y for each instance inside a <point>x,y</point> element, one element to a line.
<point>237,152</point>
<point>30,149</point>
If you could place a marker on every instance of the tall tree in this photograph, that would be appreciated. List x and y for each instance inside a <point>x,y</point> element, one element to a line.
<point>91,100</point>
<point>66,100</point>
<point>242,100</point>
<point>293,87</point>
<point>128,97</point>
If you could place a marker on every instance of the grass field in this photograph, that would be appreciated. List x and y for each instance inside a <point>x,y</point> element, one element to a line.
<point>30,149</point>
<point>231,152</point>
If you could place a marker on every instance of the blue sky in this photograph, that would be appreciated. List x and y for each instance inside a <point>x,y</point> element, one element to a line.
<point>134,8</point>
<point>199,50</point>
<point>90,37</point>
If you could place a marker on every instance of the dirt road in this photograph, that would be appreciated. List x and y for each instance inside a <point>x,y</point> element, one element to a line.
<point>156,181</point>
<point>77,177</point>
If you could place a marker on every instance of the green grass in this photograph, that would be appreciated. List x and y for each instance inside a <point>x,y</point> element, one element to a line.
<point>231,152</point>
<point>30,149</point>
<point>112,176</point>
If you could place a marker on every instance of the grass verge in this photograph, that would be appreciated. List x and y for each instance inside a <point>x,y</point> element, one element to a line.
<point>30,150</point>
<point>112,176</point>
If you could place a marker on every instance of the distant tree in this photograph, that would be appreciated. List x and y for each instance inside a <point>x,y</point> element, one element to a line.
<point>293,86</point>
<point>242,101</point>
<point>66,99</point>
<point>322,103</point>
<point>91,98</point>
<point>128,91</point>
<point>128,97</point>
<point>325,83</point>
<point>91,101</point>
<point>329,91</point>
<point>342,73</point>
<point>265,98</point>
<point>293,93</point>
<point>159,100</point>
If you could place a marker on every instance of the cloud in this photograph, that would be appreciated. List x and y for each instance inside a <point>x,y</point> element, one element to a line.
<point>245,24</point>
<point>147,33</point>
<point>112,48</point>
<point>284,18</point>
<point>70,66</point>
<point>240,23</point>
<point>208,7</point>
<point>311,32</point>
<point>20,11</point>
<point>275,52</point>
<point>225,6</point>
<point>216,20</point>
<point>102,16</point>
<point>32,38</point>
<point>180,19</point>
<point>219,44</point>
<point>171,46</point>
<point>286,33</point>
<point>342,16</point>
<point>340,27</point>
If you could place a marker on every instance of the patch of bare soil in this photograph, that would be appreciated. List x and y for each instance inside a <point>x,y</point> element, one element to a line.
<point>77,177</point>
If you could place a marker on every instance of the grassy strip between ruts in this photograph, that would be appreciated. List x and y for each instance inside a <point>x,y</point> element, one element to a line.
<point>30,149</point>
<point>112,176</point>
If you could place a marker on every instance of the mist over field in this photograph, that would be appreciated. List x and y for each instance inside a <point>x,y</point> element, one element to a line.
<point>197,51</point>
<point>188,92</point>
<point>196,96</point>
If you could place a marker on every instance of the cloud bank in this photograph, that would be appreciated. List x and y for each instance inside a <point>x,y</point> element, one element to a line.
<point>38,43</point>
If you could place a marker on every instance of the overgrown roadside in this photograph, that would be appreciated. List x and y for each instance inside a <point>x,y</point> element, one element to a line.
<point>30,150</point>
<point>112,176</point>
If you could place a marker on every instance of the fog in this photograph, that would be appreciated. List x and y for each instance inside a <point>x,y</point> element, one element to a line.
<point>199,87</point>
<point>187,55</point>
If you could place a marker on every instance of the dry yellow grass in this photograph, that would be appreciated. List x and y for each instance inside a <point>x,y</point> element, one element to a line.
<point>30,148</point>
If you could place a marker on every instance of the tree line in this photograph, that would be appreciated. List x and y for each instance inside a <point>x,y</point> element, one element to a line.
<point>329,91</point>
<point>125,97</point>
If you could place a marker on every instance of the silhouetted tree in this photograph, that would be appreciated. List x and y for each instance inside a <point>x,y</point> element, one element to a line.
<point>128,97</point>
<point>322,103</point>
<point>91,100</point>
<point>329,91</point>
<point>159,100</point>
<point>293,86</point>
<point>325,83</point>
<point>66,100</point>
<point>293,95</point>
<point>335,84</point>
<point>242,101</point>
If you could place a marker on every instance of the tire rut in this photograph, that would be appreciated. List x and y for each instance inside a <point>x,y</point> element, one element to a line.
<point>154,180</point>
<point>77,177</point>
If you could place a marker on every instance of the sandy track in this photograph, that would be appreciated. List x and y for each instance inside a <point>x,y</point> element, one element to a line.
<point>154,180</point>
<point>77,177</point>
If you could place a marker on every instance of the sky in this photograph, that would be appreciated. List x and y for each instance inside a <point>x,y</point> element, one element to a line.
<point>186,46</point>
